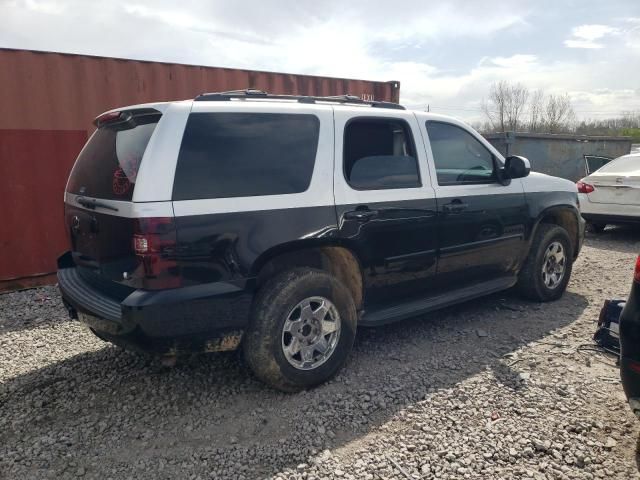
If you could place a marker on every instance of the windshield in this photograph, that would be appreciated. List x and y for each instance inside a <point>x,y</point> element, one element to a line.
<point>627,164</point>
<point>108,164</point>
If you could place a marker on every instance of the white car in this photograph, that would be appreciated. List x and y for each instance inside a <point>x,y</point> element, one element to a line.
<point>611,194</point>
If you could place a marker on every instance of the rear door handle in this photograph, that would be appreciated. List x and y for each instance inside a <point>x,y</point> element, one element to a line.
<point>454,207</point>
<point>361,215</point>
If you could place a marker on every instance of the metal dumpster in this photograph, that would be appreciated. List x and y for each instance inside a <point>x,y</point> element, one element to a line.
<point>559,154</point>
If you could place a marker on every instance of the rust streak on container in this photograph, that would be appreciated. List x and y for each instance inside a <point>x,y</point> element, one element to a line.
<point>44,90</point>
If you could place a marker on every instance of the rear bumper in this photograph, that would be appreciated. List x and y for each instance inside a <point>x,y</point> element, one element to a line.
<point>208,317</point>
<point>608,218</point>
<point>608,212</point>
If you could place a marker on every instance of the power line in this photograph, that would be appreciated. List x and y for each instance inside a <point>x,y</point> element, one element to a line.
<point>582,113</point>
<point>472,109</point>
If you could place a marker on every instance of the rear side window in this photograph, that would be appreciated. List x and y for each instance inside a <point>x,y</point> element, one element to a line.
<point>108,165</point>
<point>458,156</point>
<point>379,154</point>
<point>246,154</point>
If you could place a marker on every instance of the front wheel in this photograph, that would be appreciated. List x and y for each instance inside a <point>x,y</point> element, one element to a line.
<point>547,270</point>
<point>302,329</point>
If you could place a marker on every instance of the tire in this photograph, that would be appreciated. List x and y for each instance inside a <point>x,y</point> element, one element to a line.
<point>531,280</point>
<point>597,227</point>
<point>268,343</point>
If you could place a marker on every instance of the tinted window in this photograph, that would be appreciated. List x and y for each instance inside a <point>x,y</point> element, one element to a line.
<point>459,157</point>
<point>379,154</point>
<point>245,154</point>
<point>108,164</point>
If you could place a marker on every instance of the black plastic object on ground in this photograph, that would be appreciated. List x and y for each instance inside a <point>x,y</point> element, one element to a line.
<point>607,335</point>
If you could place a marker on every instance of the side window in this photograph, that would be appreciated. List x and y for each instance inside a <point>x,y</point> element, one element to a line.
<point>245,154</point>
<point>379,154</point>
<point>459,157</point>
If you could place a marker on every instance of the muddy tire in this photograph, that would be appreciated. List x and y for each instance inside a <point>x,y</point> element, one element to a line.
<point>302,328</point>
<point>547,270</point>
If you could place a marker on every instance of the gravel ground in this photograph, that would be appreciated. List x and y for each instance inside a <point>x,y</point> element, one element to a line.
<point>494,388</point>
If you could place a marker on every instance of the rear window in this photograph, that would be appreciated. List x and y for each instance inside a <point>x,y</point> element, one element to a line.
<point>245,154</point>
<point>628,164</point>
<point>108,164</point>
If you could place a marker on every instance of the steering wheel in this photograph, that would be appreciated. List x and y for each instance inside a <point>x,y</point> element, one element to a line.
<point>471,172</point>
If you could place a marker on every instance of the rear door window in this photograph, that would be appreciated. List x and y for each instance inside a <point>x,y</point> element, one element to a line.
<point>108,165</point>
<point>380,154</point>
<point>246,154</point>
<point>595,162</point>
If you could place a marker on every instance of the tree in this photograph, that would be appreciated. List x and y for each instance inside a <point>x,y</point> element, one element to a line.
<point>494,108</point>
<point>518,96</point>
<point>559,114</point>
<point>505,105</point>
<point>627,124</point>
<point>536,111</point>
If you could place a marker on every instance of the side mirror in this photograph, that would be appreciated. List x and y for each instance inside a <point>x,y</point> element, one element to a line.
<point>516,167</point>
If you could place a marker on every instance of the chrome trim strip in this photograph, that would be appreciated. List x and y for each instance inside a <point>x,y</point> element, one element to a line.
<point>125,209</point>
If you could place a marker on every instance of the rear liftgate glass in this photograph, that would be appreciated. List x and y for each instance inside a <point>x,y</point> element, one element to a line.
<point>137,252</point>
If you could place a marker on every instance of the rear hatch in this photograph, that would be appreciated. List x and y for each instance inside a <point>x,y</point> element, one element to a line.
<point>99,194</point>
<point>617,182</point>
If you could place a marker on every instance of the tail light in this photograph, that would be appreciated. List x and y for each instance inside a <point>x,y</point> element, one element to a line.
<point>636,272</point>
<point>155,245</point>
<point>584,187</point>
<point>633,365</point>
<point>106,118</point>
<point>112,117</point>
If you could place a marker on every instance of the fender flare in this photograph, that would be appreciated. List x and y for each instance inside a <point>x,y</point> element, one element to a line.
<point>554,211</point>
<point>340,266</point>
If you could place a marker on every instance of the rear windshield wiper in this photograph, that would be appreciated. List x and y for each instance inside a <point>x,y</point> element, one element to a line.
<point>93,203</point>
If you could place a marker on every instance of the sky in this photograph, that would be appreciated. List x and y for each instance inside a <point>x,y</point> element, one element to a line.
<point>446,54</point>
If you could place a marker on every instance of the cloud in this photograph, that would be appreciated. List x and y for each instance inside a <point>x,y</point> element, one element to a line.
<point>597,102</point>
<point>445,54</point>
<point>585,36</point>
<point>447,21</point>
<point>181,20</point>
<point>518,61</point>
<point>632,33</point>
<point>45,7</point>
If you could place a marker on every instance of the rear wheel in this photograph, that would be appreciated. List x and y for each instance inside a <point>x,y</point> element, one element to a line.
<point>302,329</point>
<point>547,270</point>
<point>597,227</point>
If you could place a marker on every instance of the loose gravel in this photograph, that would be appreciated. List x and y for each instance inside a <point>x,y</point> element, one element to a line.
<point>494,388</point>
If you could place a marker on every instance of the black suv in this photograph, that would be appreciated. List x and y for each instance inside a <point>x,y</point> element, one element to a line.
<point>280,224</point>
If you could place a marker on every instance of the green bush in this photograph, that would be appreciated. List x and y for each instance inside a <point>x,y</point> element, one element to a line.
<point>634,133</point>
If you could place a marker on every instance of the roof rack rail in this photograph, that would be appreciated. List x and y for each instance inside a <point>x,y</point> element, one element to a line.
<point>253,93</point>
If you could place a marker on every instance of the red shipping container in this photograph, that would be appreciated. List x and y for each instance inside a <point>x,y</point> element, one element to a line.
<point>48,103</point>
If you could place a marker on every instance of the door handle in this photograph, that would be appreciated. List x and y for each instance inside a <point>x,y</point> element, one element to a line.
<point>454,207</point>
<point>361,215</point>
